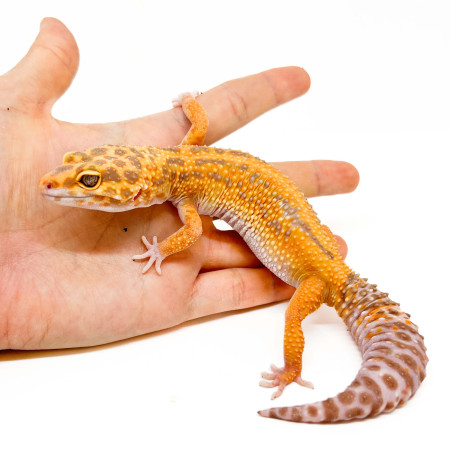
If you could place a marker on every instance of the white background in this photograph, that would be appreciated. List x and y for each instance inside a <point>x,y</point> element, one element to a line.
<point>379,98</point>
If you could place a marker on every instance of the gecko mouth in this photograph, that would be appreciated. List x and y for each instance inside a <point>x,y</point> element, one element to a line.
<point>67,196</point>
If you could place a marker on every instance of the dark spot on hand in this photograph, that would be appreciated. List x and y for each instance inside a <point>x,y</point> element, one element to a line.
<point>125,229</point>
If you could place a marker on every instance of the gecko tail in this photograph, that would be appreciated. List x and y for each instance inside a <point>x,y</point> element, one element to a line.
<point>394,360</point>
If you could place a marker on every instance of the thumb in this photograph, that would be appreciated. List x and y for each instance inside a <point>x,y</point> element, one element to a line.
<point>46,71</point>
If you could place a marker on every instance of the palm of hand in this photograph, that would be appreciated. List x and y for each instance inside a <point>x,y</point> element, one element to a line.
<point>67,278</point>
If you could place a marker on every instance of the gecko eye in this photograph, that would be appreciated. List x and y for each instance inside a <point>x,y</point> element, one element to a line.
<point>89,179</point>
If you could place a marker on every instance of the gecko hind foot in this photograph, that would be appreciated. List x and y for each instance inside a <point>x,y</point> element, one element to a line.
<point>177,101</point>
<point>152,253</point>
<point>281,377</point>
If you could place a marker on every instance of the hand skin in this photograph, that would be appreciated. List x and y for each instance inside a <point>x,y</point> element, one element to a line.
<point>66,274</point>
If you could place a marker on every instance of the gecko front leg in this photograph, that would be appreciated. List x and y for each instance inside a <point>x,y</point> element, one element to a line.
<point>187,211</point>
<point>178,241</point>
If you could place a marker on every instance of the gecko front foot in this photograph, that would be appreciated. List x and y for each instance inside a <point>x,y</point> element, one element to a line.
<point>281,377</point>
<point>153,253</point>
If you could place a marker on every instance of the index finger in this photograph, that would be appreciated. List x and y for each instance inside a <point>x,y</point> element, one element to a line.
<point>230,106</point>
<point>235,103</point>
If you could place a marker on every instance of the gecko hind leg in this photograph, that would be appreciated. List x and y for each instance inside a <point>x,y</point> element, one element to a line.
<point>196,115</point>
<point>307,298</point>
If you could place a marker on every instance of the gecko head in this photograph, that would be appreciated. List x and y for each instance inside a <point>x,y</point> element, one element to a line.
<point>108,178</point>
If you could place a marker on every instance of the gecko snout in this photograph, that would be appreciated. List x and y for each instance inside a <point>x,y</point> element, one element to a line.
<point>46,184</point>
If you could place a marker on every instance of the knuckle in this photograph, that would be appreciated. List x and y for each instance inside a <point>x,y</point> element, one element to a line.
<point>238,290</point>
<point>237,104</point>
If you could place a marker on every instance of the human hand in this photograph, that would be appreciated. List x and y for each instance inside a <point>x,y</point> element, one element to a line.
<point>66,275</point>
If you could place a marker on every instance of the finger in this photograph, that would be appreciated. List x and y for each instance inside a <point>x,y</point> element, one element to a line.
<point>234,103</point>
<point>315,178</point>
<point>231,289</point>
<point>229,106</point>
<point>343,248</point>
<point>226,249</point>
<point>46,71</point>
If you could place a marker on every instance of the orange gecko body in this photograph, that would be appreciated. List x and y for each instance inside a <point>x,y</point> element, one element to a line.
<point>277,222</point>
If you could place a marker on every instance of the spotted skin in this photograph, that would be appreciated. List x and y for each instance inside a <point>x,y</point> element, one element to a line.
<point>276,221</point>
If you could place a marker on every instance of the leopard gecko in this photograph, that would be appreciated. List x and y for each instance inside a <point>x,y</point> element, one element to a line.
<point>276,221</point>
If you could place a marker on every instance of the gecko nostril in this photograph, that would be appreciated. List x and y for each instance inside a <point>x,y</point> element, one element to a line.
<point>49,185</point>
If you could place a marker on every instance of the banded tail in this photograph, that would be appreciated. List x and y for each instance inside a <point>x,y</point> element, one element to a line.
<point>393,366</point>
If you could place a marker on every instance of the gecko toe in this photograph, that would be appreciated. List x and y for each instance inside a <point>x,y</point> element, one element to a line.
<point>152,253</point>
<point>306,384</point>
<point>268,376</point>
